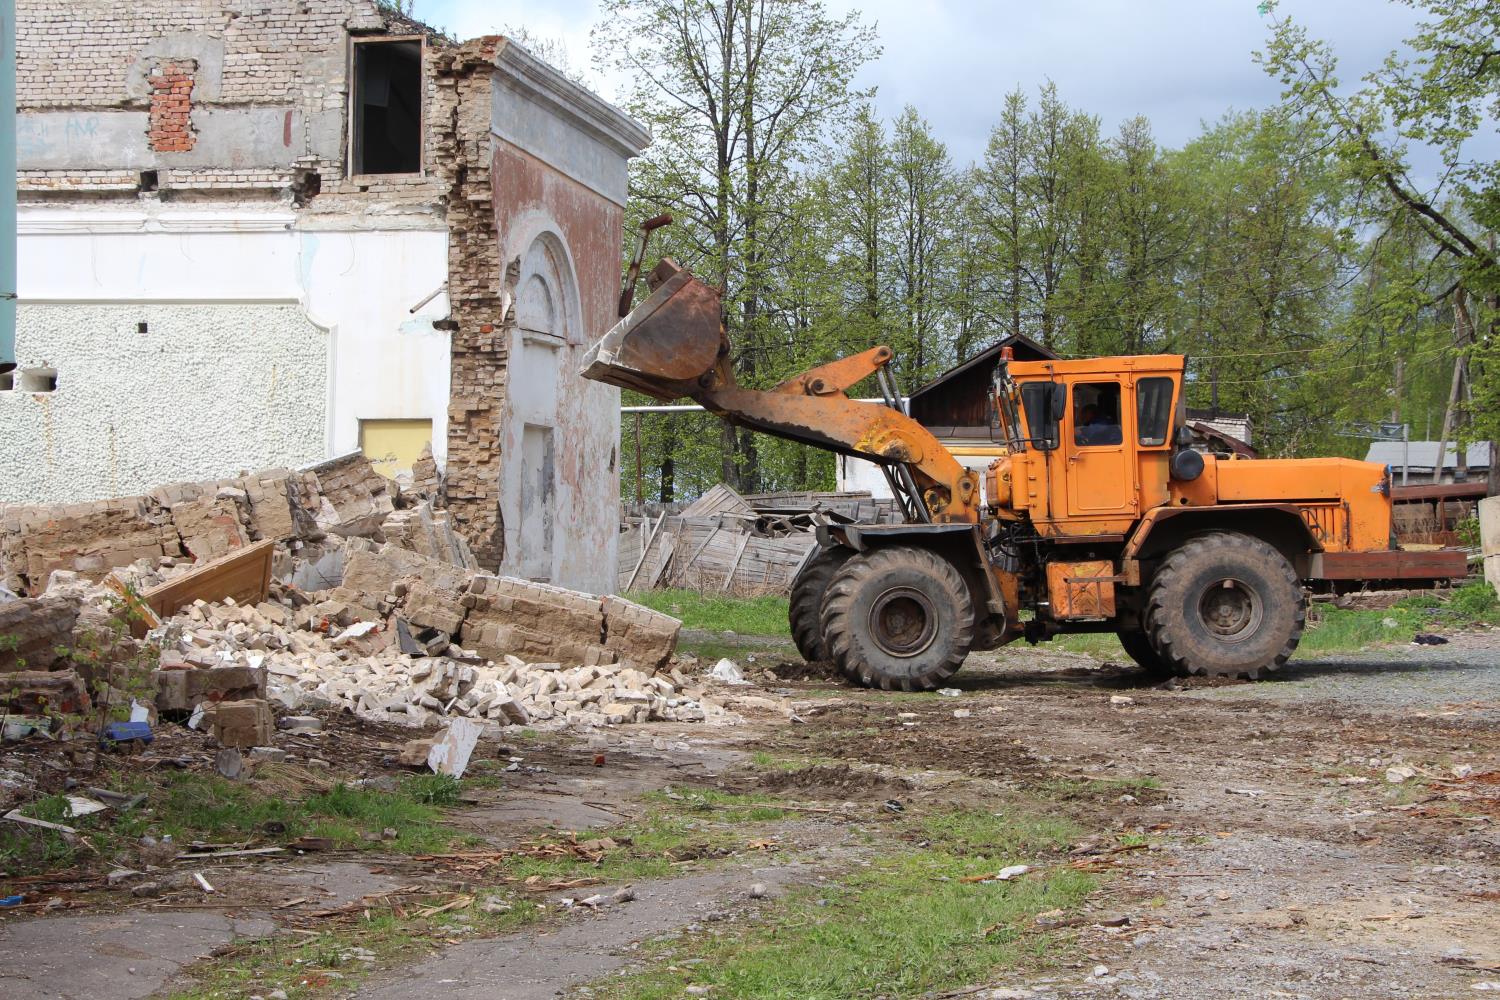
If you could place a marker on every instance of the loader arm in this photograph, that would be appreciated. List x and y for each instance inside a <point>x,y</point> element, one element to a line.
<point>673,345</point>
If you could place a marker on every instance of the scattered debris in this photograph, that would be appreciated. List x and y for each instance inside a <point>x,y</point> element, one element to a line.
<point>451,750</point>
<point>727,671</point>
<point>1399,773</point>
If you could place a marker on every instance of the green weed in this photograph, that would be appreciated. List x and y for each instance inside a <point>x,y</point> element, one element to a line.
<point>905,926</point>
<point>746,615</point>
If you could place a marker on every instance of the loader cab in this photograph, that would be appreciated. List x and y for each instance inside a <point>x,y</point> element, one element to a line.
<point>1095,439</point>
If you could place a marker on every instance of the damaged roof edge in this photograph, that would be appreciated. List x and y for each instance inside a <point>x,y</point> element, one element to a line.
<point>574,103</point>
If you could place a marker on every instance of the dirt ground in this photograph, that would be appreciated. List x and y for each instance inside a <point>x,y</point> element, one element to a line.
<point>1276,858</point>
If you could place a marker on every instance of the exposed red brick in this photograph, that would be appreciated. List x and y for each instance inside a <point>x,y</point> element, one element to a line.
<point>170,129</point>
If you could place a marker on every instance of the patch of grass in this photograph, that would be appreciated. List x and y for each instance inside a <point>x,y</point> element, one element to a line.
<point>746,615</point>
<point>678,825</point>
<point>330,962</point>
<point>777,762</point>
<point>25,849</point>
<point>1097,790</point>
<point>195,806</point>
<point>1331,629</point>
<point>1099,645</point>
<point>903,927</point>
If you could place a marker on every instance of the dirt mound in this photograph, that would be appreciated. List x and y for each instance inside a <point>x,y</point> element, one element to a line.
<point>803,670</point>
<point>840,782</point>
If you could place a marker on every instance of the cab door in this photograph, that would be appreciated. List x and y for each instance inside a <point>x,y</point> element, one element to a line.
<point>1096,435</point>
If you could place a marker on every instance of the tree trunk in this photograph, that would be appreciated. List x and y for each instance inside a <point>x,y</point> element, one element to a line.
<point>1460,326</point>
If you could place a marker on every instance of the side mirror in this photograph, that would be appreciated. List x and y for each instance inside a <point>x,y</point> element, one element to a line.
<point>997,432</point>
<point>1184,436</point>
<point>1057,402</point>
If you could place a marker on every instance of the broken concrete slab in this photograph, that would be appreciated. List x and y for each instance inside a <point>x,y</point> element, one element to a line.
<point>638,636</point>
<point>244,724</point>
<point>88,538</point>
<point>430,533</point>
<point>451,750</point>
<point>353,499</point>
<point>39,631</point>
<point>181,689</point>
<point>130,955</point>
<point>44,692</point>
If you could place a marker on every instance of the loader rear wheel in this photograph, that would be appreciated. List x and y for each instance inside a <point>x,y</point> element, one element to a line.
<point>899,619</point>
<point>806,607</point>
<point>1137,645</point>
<point>1225,605</point>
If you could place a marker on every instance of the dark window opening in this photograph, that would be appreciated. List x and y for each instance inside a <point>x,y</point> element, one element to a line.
<point>149,180</point>
<point>386,113</point>
<point>37,380</point>
<point>1153,410</point>
<point>1096,413</point>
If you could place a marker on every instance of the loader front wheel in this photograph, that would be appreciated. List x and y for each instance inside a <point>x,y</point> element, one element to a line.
<point>1226,605</point>
<point>806,606</point>
<point>899,618</point>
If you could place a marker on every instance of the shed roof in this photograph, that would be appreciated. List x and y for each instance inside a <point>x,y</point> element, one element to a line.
<point>1423,454</point>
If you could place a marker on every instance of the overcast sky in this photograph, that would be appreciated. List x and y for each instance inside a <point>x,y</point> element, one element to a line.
<point>1179,62</point>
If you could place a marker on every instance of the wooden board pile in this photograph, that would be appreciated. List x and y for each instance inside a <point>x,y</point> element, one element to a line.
<point>727,543</point>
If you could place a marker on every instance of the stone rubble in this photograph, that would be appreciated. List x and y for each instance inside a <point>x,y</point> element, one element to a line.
<point>377,608</point>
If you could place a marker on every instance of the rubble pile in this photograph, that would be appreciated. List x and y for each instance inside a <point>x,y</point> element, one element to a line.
<point>318,658</point>
<point>343,497</point>
<point>375,606</point>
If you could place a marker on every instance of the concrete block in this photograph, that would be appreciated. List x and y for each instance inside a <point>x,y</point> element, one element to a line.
<point>244,723</point>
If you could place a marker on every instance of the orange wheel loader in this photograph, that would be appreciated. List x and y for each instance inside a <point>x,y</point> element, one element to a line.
<point>1098,518</point>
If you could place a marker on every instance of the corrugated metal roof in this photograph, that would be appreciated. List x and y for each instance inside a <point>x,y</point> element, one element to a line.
<point>1422,454</point>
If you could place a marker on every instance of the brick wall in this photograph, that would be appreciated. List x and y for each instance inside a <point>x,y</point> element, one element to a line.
<point>96,58</point>
<point>171,126</point>
<point>479,345</point>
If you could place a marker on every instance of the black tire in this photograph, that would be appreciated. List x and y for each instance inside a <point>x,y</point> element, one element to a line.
<point>898,618</point>
<point>1138,647</point>
<point>806,606</point>
<point>1225,605</point>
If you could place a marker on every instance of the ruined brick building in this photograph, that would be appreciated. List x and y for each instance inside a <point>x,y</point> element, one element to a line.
<point>263,233</point>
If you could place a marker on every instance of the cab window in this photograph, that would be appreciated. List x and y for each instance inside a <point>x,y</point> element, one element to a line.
<point>1096,414</point>
<point>1153,406</point>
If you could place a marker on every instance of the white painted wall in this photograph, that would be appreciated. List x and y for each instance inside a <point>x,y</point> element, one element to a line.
<point>208,390</point>
<point>854,474</point>
<point>215,275</point>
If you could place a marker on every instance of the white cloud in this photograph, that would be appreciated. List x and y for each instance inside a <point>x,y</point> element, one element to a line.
<point>1178,62</point>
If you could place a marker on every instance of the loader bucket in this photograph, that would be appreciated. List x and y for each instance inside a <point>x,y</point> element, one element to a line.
<point>667,343</point>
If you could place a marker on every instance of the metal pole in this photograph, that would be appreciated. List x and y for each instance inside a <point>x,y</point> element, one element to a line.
<point>1405,451</point>
<point>7,185</point>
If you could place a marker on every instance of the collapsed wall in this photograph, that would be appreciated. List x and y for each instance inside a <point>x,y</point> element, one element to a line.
<point>377,608</point>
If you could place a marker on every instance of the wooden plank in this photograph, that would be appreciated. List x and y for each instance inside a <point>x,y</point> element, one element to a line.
<point>645,551</point>
<point>720,499</point>
<point>244,575</point>
<point>669,544</point>
<point>682,573</point>
<point>729,577</point>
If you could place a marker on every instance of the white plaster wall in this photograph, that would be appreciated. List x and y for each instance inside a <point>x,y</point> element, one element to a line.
<point>209,390</point>
<point>387,362</point>
<point>855,474</point>
<point>376,358</point>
